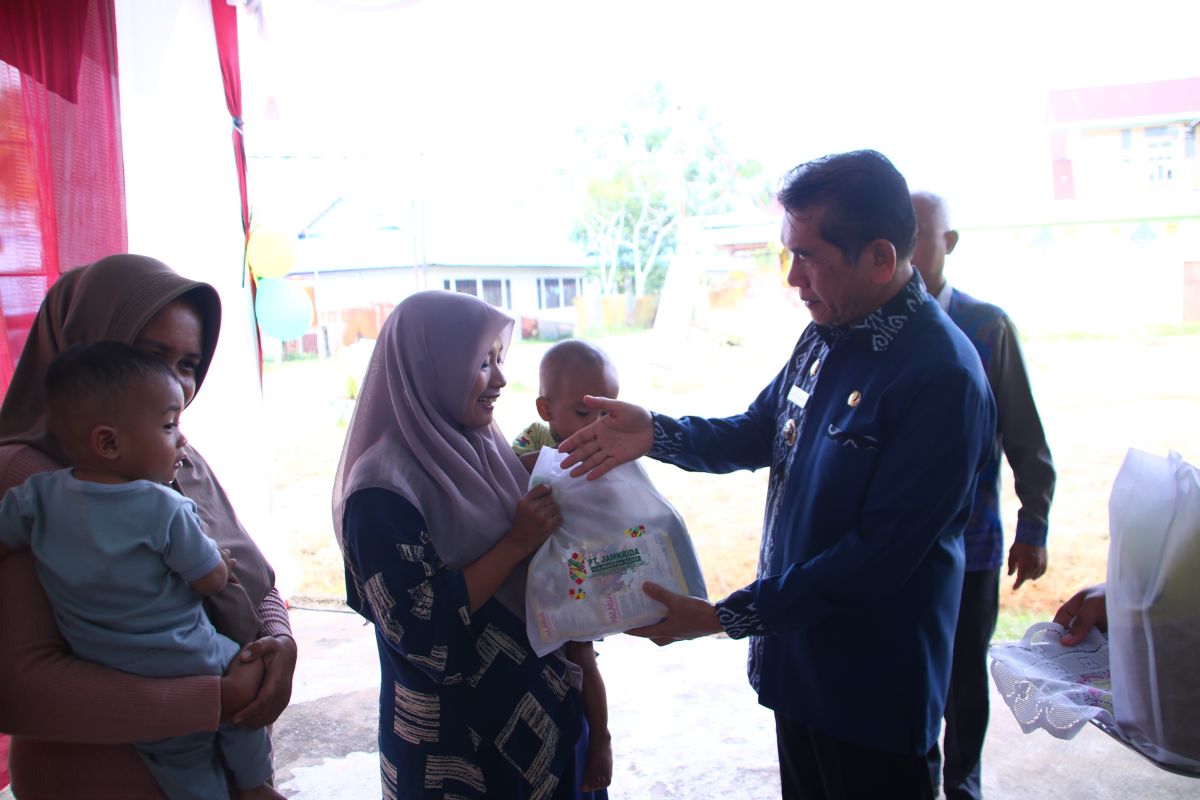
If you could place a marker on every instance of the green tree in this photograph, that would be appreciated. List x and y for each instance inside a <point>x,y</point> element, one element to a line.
<point>648,172</point>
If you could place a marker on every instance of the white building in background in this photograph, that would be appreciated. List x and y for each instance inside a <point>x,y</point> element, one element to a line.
<point>1131,138</point>
<point>361,256</point>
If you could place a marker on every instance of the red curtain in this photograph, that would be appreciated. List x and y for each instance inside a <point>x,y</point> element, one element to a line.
<point>62,183</point>
<point>225,26</point>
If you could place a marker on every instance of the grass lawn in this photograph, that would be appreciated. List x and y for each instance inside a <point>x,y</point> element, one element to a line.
<point>1098,396</point>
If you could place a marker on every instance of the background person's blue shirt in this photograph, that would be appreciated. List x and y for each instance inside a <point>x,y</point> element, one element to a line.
<point>860,570</point>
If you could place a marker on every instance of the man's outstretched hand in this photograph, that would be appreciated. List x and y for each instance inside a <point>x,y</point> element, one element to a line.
<point>624,433</point>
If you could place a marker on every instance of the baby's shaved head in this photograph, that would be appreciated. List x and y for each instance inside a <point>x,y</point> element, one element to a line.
<point>572,370</point>
<point>568,357</point>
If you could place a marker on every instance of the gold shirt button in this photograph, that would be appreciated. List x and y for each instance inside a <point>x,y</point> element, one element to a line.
<point>789,432</point>
<point>854,399</point>
<point>816,365</point>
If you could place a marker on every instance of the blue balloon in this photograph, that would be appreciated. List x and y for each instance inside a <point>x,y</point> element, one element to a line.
<point>283,309</point>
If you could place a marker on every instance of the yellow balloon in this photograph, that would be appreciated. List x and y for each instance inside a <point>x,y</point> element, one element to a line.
<point>270,253</point>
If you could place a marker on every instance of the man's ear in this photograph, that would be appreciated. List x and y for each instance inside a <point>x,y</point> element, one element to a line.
<point>951,241</point>
<point>105,442</point>
<point>543,408</point>
<point>882,254</point>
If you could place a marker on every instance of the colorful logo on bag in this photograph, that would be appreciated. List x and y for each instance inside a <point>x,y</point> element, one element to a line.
<point>577,594</point>
<point>576,568</point>
<point>634,533</point>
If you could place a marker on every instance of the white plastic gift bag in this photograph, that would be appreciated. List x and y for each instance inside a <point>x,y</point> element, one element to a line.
<point>1153,597</point>
<point>618,532</point>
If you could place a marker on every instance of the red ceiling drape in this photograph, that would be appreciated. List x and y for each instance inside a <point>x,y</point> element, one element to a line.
<point>225,25</point>
<point>62,181</point>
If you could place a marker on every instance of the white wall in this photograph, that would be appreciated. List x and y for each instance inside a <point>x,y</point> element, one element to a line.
<point>1100,277</point>
<point>183,205</point>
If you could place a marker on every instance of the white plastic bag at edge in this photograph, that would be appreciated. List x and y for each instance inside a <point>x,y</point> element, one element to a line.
<point>618,532</point>
<point>1153,597</point>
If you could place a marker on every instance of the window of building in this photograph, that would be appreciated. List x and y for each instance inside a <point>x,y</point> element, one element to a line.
<point>557,292</point>
<point>493,293</point>
<point>1160,144</point>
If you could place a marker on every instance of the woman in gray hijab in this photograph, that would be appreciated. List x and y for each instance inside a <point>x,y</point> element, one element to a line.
<point>436,531</point>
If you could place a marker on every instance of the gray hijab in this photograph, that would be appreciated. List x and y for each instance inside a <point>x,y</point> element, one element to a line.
<point>407,435</point>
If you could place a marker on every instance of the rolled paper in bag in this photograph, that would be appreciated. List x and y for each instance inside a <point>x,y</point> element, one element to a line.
<point>1153,597</point>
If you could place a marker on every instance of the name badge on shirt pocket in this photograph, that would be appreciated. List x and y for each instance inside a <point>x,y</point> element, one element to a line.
<point>798,396</point>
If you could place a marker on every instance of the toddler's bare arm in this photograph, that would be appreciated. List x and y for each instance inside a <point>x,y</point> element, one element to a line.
<point>214,581</point>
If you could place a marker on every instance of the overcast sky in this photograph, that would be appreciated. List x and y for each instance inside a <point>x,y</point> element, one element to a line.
<point>493,92</point>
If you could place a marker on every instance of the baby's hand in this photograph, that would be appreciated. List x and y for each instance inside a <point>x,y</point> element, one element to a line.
<point>230,563</point>
<point>239,686</point>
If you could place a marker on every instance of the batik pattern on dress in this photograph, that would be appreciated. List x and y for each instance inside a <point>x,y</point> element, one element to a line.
<point>421,596</point>
<point>417,714</point>
<point>528,719</point>
<point>472,712</point>
<point>493,643</point>
<point>557,683</point>
<point>389,775</point>
<point>376,593</point>
<point>440,770</point>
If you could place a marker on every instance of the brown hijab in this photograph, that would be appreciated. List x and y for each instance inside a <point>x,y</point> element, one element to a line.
<point>113,299</point>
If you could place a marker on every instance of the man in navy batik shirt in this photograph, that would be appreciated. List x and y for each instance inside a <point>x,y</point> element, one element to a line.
<point>874,431</point>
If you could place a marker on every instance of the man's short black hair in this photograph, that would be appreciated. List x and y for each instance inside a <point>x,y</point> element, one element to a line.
<point>87,381</point>
<point>864,198</point>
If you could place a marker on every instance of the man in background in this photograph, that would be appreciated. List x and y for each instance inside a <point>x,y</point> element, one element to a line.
<point>1019,435</point>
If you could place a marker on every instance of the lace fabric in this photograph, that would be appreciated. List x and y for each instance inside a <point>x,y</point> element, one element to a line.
<point>1060,689</point>
<point>1053,687</point>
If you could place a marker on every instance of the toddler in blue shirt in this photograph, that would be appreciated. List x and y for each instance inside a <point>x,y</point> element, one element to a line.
<point>123,557</point>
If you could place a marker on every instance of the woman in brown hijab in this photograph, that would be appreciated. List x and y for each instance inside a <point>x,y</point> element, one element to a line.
<point>71,719</point>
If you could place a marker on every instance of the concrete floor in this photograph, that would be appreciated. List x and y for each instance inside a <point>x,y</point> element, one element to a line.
<point>685,724</point>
